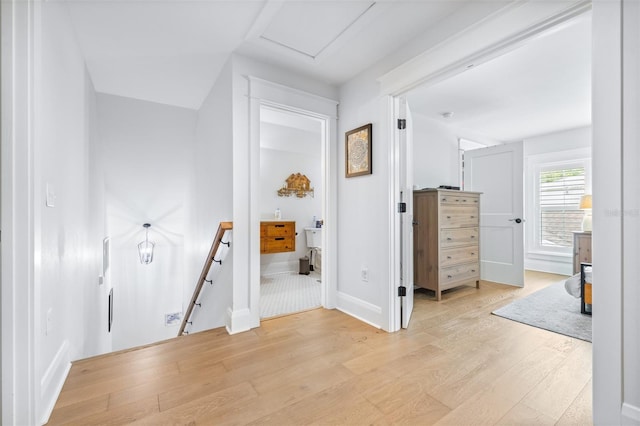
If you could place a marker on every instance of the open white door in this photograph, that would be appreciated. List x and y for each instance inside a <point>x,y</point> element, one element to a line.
<point>405,183</point>
<point>497,172</point>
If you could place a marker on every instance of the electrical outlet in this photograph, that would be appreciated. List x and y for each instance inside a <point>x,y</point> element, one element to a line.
<point>172,318</point>
<point>364,274</point>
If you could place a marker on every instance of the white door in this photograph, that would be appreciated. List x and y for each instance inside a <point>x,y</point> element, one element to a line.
<point>405,152</point>
<point>497,172</point>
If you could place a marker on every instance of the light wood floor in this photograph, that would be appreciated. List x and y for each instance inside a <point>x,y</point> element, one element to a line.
<point>456,365</point>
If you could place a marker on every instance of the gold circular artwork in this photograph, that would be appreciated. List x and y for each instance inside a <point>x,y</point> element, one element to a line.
<point>358,152</point>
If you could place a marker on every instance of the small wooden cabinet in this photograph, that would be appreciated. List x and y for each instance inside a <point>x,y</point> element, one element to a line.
<point>277,237</point>
<point>581,249</point>
<point>446,239</point>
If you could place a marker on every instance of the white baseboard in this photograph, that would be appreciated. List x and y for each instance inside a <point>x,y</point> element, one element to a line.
<point>278,267</point>
<point>53,380</point>
<point>560,268</point>
<point>238,321</point>
<point>631,412</point>
<point>357,308</point>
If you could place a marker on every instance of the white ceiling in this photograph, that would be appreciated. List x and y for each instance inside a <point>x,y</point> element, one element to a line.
<point>172,51</point>
<point>542,87</point>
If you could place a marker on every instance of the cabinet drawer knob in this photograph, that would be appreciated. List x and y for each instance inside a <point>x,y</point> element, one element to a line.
<point>473,254</point>
<point>448,257</point>
<point>473,270</point>
<point>449,276</point>
<point>448,217</point>
<point>473,236</point>
<point>449,239</point>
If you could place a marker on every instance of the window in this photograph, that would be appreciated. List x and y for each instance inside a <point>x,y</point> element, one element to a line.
<point>555,184</point>
<point>559,192</point>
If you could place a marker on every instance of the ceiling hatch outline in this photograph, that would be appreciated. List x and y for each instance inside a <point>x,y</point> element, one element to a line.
<point>276,28</point>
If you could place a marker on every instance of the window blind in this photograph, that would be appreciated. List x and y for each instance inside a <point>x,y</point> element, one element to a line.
<point>559,194</point>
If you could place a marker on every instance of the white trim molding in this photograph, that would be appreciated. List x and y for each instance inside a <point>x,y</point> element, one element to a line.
<point>631,412</point>
<point>360,309</point>
<point>503,31</point>
<point>53,380</point>
<point>262,93</point>
<point>20,402</point>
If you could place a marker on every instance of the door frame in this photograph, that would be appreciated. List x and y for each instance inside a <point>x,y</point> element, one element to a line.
<point>276,96</point>
<point>20,389</point>
<point>503,31</point>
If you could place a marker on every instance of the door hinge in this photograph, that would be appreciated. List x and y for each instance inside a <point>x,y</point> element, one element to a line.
<point>402,291</point>
<point>402,123</point>
<point>402,207</point>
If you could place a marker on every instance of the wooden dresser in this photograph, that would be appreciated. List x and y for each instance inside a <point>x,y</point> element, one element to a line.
<point>446,239</point>
<point>581,249</point>
<point>277,237</point>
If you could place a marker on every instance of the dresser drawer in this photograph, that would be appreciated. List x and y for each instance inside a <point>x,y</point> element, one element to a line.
<point>456,216</point>
<point>459,199</point>
<point>277,244</point>
<point>458,237</point>
<point>456,256</point>
<point>455,274</point>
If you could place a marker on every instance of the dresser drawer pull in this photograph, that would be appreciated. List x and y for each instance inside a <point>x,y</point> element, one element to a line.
<point>279,226</point>
<point>473,236</point>
<point>464,201</point>
<point>444,199</point>
<point>448,257</point>
<point>473,270</point>
<point>472,217</point>
<point>449,276</point>
<point>449,239</point>
<point>280,239</point>
<point>473,254</point>
<point>448,217</point>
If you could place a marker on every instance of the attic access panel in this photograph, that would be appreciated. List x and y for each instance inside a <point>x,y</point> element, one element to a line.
<point>309,28</point>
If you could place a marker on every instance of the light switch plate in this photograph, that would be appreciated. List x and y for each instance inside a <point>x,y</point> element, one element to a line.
<point>51,196</point>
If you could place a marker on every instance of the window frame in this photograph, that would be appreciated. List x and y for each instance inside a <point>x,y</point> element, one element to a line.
<point>535,165</point>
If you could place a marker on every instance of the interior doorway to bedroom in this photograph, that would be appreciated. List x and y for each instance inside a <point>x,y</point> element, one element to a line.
<point>538,94</point>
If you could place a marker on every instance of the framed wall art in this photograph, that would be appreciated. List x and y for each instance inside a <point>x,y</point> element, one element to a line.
<point>358,151</point>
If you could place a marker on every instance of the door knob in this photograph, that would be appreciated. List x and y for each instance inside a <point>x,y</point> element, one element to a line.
<point>516,220</point>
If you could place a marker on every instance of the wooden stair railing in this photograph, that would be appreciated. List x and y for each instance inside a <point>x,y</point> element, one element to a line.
<point>222,228</point>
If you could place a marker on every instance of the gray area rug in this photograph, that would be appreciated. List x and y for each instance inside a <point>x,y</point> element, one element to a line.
<point>551,308</point>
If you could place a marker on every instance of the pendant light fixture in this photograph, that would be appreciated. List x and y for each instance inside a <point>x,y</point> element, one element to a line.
<point>145,248</point>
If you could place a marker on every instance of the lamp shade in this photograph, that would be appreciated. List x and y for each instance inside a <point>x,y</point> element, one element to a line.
<point>585,202</point>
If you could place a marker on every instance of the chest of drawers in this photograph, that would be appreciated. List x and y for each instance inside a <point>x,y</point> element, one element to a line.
<point>277,237</point>
<point>446,239</point>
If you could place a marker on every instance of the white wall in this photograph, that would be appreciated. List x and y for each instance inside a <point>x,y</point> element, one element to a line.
<point>300,155</point>
<point>557,142</point>
<point>147,153</point>
<point>211,201</point>
<point>66,258</point>
<point>435,153</point>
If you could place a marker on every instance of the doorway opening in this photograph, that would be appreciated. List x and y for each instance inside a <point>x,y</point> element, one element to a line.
<point>291,211</point>
<point>506,100</point>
